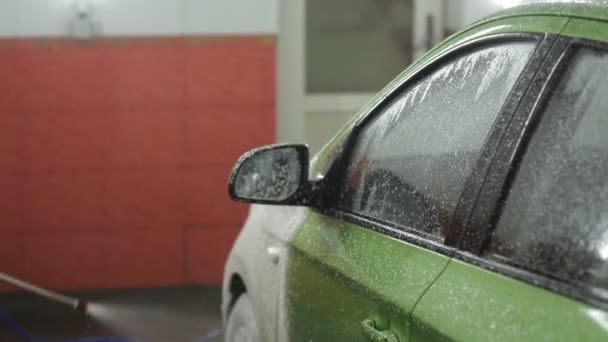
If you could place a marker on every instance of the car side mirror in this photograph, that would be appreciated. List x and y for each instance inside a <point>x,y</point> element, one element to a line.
<point>273,174</point>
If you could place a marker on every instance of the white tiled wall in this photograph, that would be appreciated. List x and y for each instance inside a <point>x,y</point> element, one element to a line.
<point>23,18</point>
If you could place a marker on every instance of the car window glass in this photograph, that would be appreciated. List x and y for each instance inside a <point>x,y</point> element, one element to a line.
<point>411,161</point>
<point>555,220</point>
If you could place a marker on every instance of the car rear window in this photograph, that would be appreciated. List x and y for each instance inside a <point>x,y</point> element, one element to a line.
<point>555,219</point>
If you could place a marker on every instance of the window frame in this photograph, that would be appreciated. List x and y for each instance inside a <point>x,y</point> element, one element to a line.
<point>503,171</point>
<point>330,183</point>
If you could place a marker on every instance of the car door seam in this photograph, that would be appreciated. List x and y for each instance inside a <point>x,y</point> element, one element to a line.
<point>451,257</point>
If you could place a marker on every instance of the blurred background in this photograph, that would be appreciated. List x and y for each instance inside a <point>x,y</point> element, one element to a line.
<point>121,119</point>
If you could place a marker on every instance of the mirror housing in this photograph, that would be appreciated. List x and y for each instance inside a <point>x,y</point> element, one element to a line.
<point>274,174</point>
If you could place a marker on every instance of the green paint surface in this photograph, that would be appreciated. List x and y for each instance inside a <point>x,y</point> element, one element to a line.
<point>468,303</point>
<point>588,29</point>
<point>339,274</point>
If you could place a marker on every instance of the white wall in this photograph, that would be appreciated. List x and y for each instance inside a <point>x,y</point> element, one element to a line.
<point>26,18</point>
<point>460,13</point>
<point>452,13</point>
<point>232,16</point>
<point>422,9</point>
<point>473,10</point>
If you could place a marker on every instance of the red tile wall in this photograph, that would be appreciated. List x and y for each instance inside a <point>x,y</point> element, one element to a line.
<point>115,154</point>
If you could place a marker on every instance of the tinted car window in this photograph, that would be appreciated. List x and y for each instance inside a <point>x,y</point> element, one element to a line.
<point>411,161</point>
<point>555,219</point>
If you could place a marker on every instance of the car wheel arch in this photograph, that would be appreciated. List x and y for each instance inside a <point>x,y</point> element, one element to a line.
<point>236,288</point>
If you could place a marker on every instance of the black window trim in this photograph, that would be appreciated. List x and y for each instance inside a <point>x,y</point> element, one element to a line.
<point>493,195</point>
<point>543,44</point>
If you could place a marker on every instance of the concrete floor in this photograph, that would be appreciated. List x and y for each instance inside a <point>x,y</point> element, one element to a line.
<point>189,314</point>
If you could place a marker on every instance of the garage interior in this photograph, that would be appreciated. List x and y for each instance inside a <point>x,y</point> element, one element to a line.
<point>121,120</point>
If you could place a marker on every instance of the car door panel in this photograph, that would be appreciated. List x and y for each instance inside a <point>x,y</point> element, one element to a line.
<point>469,303</point>
<point>340,274</point>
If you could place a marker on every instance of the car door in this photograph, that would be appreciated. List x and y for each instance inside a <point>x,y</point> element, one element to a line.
<point>358,264</point>
<point>534,264</point>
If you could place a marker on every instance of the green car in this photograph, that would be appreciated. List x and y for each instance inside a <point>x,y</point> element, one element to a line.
<point>467,201</point>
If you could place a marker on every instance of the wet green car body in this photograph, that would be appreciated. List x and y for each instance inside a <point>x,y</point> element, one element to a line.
<point>318,273</point>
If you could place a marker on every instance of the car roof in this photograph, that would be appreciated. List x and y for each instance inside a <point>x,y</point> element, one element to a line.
<point>587,9</point>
